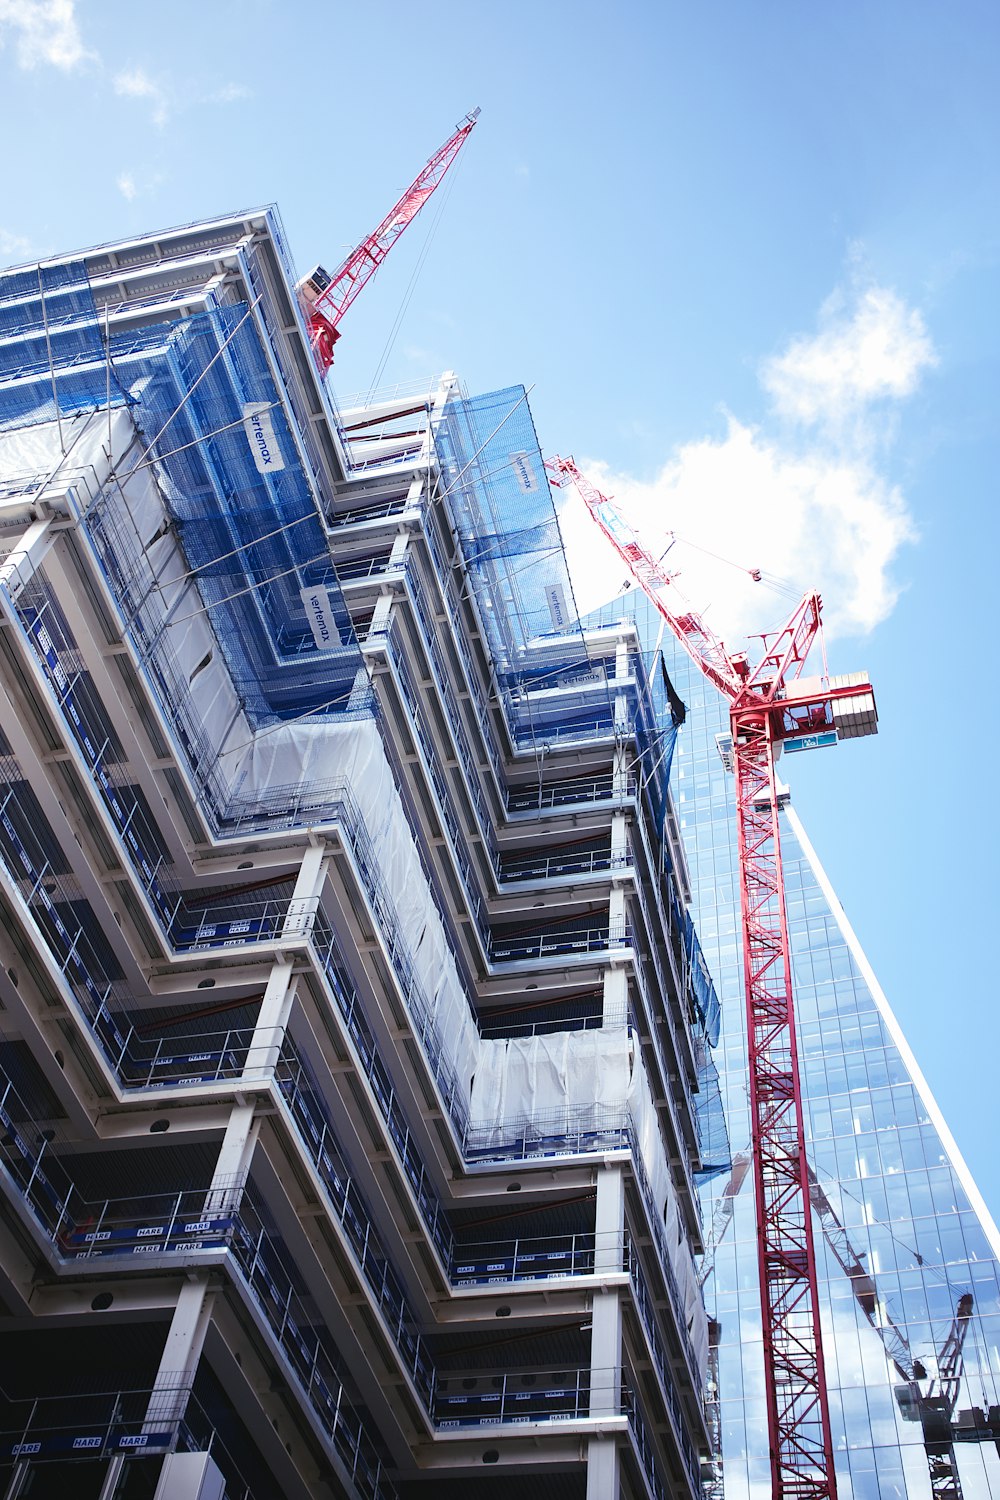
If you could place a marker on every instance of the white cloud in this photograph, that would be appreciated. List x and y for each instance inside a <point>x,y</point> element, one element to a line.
<point>14,246</point>
<point>870,349</point>
<point>230,93</point>
<point>134,185</point>
<point>135,83</point>
<point>810,506</point>
<point>46,32</point>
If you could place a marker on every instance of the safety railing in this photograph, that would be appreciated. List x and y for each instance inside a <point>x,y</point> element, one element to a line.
<point>346,999</point>
<point>518,867</point>
<point>642,1440</point>
<point>438,779</point>
<point>130,1423</point>
<point>567,793</point>
<point>155,1224</point>
<point>221,1217</point>
<point>579,1129</point>
<point>664,1257</point>
<point>186,1058</point>
<point>312,1366</point>
<point>489,1262</point>
<point>559,944</point>
<point>497,1398</point>
<point>654,1339</point>
<point>498,1025</point>
<point>357,569</point>
<point>305,1105</point>
<point>446,587</point>
<point>381,511</point>
<point>464,755</point>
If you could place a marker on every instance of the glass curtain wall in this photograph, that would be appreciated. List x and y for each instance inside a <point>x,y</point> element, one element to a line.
<point>908,1255</point>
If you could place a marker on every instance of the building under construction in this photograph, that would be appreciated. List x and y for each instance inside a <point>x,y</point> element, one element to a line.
<point>362,1131</point>
<point>355,1033</point>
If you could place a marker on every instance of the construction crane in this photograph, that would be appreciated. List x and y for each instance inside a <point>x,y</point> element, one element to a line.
<point>933,1407</point>
<point>325,297</point>
<point>771,707</point>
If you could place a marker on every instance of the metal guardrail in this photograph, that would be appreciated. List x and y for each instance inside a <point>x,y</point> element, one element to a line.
<point>559,944</point>
<point>222,1217</point>
<point>567,793</point>
<point>123,1422</point>
<point>552,1396</point>
<point>520,867</point>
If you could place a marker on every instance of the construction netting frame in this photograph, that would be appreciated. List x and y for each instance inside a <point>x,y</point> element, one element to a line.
<point>232,479</point>
<point>53,361</point>
<point>501,506</point>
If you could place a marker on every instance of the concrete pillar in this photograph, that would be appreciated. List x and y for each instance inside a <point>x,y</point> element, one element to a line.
<point>26,556</point>
<point>622,762</point>
<point>380,615</point>
<point>181,1353</point>
<point>400,544</point>
<point>614,1001</point>
<point>269,1032</point>
<point>233,1161</point>
<point>603,1462</point>
<point>190,1476</point>
<point>305,897</point>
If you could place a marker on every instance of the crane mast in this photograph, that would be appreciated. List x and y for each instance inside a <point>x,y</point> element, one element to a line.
<point>325,297</point>
<point>769,707</point>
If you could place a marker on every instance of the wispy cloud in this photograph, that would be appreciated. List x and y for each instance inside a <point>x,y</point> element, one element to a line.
<point>14,246</point>
<point>135,83</point>
<point>230,93</point>
<point>806,499</point>
<point>133,185</point>
<point>45,31</point>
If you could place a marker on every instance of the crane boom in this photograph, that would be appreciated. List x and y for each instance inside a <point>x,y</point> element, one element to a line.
<point>767,707</point>
<point>325,298</point>
<point>706,651</point>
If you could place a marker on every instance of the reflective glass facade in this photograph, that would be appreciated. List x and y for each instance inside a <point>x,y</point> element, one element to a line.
<point>903,1238</point>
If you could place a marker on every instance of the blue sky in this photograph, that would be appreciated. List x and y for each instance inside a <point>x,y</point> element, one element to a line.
<point>747,255</point>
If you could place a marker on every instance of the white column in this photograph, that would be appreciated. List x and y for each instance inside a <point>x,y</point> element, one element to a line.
<point>305,897</point>
<point>606,1337</point>
<point>190,1476</point>
<point>181,1353</point>
<point>233,1161</point>
<point>27,555</point>
<point>269,1032</point>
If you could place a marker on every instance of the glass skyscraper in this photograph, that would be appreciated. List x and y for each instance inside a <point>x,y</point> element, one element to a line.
<point>909,1257</point>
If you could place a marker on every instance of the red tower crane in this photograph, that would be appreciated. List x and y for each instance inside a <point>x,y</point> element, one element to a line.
<point>770,706</point>
<point>325,297</point>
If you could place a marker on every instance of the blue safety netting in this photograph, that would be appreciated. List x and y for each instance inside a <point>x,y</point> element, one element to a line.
<point>497,491</point>
<point>710,1117</point>
<point>702,986</point>
<point>501,505</point>
<point>52,355</point>
<point>254,539</point>
<point>655,710</point>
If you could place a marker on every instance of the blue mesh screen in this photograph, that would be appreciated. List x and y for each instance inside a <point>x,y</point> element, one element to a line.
<point>254,538</point>
<point>501,505</point>
<point>49,311</point>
